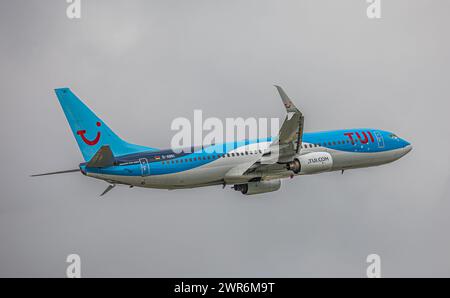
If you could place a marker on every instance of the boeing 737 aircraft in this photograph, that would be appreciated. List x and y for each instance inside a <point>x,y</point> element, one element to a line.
<point>250,166</point>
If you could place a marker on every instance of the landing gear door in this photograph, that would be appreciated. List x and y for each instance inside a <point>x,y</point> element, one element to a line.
<point>145,168</point>
<point>379,138</point>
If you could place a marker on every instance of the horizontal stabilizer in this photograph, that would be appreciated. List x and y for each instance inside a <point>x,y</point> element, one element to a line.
<point>59,172</point>
<point>102,159</point>
<point>111,186</point>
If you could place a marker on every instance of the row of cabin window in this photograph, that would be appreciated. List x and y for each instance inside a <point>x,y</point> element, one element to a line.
<point>304,146</point>
<point>209,157</point>
<point>334,143</point>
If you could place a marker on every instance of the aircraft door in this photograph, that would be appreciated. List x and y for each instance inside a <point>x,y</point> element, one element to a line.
<point>145,167</point>
<point>379,138</point>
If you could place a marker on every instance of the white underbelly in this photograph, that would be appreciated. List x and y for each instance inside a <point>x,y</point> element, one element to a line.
<point>344,160</point>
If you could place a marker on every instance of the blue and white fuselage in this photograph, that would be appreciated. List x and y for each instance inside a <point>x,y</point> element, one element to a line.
<point>251,166</point>
<point>169,170</point>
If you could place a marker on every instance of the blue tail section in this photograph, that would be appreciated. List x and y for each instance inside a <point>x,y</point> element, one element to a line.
<point>90,131</point>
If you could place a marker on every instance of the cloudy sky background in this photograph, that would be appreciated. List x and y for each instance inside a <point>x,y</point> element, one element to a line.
<point>140,64</point>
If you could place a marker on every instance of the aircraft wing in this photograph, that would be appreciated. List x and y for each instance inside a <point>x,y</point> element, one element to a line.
<point>282,150</point>
<point>292,128</point>
<point>289,140</point>
<point>285,146</point>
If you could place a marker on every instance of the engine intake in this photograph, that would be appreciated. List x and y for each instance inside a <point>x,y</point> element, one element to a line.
<point>311,163</point>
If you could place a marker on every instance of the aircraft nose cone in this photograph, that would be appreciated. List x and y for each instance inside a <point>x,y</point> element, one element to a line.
<point>407,148</point>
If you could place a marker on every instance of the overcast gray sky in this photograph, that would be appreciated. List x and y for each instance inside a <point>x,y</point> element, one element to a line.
<point>140,64</point>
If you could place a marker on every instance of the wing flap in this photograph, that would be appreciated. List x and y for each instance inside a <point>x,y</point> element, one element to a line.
<point>237,174</point>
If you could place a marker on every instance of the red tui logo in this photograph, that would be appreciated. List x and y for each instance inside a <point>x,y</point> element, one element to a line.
<point>364,140</point>
<point>87,141</point>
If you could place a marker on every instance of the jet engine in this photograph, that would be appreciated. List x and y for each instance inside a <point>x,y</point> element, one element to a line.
<point>253,188</point>
<point>311,163</point>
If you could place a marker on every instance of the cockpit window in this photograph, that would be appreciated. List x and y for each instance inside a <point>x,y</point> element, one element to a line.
<point>393,136</point>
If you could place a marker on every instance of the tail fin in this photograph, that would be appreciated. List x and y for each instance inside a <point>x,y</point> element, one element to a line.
<point>90,131</point>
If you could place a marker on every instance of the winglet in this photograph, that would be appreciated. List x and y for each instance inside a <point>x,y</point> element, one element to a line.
<point>288,104</point>
<point>292,128</point>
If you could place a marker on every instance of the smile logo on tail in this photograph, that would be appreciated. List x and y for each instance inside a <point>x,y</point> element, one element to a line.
<point>90,142</point>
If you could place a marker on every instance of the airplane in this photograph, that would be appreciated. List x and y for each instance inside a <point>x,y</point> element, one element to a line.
<point>249,166</point>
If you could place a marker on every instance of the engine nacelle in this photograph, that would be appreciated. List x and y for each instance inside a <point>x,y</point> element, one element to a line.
<point>311,163</point>
<point>253,188</point>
